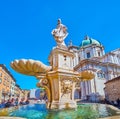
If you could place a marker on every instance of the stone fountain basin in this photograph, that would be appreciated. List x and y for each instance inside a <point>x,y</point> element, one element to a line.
<point>83,111</point>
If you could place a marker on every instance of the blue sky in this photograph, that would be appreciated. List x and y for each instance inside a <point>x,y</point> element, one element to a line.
<point>26,25</point>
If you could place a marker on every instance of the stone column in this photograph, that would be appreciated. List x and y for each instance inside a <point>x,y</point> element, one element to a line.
<point>83,91</point>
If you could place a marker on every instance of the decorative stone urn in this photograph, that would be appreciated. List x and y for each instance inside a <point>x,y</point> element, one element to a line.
<point>58,79</point>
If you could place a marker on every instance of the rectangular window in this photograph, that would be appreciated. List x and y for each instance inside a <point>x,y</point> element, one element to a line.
<point>103,75</point>
<point>4,83</point>
<point>98,53</point>
<point>88,55</point>
<point>98,75</point>
<point>5,77</point>
<point>0,80</point>
<point>0,74</point>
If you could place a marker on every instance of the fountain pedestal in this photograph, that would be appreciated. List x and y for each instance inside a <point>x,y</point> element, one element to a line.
<point>60,82</point>
<point>62,92</point>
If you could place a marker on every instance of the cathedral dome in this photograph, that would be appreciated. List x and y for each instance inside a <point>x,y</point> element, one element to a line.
<point>88,41</point>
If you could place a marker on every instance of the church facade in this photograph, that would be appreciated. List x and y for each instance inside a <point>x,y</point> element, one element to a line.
<point>90,55</point>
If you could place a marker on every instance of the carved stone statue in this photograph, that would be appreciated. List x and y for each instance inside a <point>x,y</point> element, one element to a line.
<point>60,33</point>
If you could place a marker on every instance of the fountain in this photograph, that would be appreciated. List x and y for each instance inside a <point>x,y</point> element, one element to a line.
<point>59,79</point>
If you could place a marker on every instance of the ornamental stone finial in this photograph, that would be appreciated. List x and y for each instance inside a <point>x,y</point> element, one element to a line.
<point>60,33</point>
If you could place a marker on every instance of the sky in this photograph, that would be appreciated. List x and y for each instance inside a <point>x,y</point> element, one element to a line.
<point>26,25</point>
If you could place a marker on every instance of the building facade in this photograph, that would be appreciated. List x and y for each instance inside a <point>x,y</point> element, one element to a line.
<point>90,55</point>
<point>7,83</point>
<point>17,91</point>
<point>112,89</point>
<point>26,94</point>
<point>20,93</point>
<point>8,87</point>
